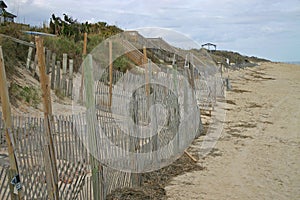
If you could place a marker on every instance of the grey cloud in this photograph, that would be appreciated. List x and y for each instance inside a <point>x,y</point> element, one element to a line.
<point>234,25</point>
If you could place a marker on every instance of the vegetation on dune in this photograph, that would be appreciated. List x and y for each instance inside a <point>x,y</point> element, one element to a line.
<point>73,29</point>
<point>70,36</point>
<point>122,64</point>
<point>234,57</point>
<point>69,39</point>
<point>14,54</point>
<point>29,94</point>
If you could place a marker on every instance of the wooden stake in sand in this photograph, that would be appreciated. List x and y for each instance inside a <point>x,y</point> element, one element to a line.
<point>110,73</point>
<point>48,60</point>
<point>53,70</point>
<point>82,71</point>
<point>64,74</point>
<point>49,153</point>
<point>29,57</point>
<point>145,62</point>
<point>145,55</point>
<point>97,169</point>
<point>190,156</point>
<point>70,86</point>
<point>13,171</point>
<point>192,71</point>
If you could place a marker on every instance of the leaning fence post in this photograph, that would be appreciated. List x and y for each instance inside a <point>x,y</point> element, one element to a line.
<point>70,86</point>
<point>29,57</point>
<point>53,70</point>
<point>64,74</point>
<point>49,153</point>
<point>13,171</point>
<point>97,169</point>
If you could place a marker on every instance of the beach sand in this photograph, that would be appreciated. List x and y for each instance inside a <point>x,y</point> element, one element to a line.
<point>258,153</point>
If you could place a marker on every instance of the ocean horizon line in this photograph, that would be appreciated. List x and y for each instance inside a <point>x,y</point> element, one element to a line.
<point>293,62</point>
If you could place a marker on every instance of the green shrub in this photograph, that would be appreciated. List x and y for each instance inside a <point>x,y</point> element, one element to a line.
<point>69,40</point>
<point>14,53</point>
<point>122,64</point>
<point>29,94</point>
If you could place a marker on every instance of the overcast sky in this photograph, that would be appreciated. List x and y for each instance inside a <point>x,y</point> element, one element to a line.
<point>263,28</point>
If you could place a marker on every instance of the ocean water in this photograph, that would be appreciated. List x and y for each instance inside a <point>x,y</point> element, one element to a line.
<point>294,62</point>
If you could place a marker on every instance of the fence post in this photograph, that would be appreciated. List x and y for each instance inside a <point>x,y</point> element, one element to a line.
<point>110,73</point>
<point>13,171</point>
<point>29,57</point>
<point>34,64</point>
<point>49,153</point>
<point>70,86</point>
<point>64,74</point>
<point>82,73</point>
<point>53,70</point>
<point>145,55</point>
<point>48,60</point>
<point>97,169</point>
<point>145,62</point>
<point>57,80</point>
<point>192,71</point>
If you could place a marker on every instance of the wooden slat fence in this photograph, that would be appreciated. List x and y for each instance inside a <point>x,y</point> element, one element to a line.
<point>72,159</point>
<point>4,187</point>
<point>60,72</point>
<point>69,133</point>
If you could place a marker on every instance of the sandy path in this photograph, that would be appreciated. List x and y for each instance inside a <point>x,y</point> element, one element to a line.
<point>258,154</point>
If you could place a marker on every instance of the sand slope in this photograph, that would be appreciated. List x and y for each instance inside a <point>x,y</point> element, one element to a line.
<point>258,154</point>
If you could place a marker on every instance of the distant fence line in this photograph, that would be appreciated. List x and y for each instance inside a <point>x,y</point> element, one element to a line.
<point>61,72</point>
<point>207,89</point>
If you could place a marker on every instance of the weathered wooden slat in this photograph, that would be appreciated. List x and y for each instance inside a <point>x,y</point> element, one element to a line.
<point>53,70</point>
<point>97,170</point>
<point>48,60</point>
<point>28,61</point>
<point>6,109</point>
<point>35,63</point>
<point>18,40</point>
<point>47,108</point>
<point>4,189</point>
<point>57,79</point>
<point>70,86</point>
<point>64,74</point>
<point>110,73</point>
